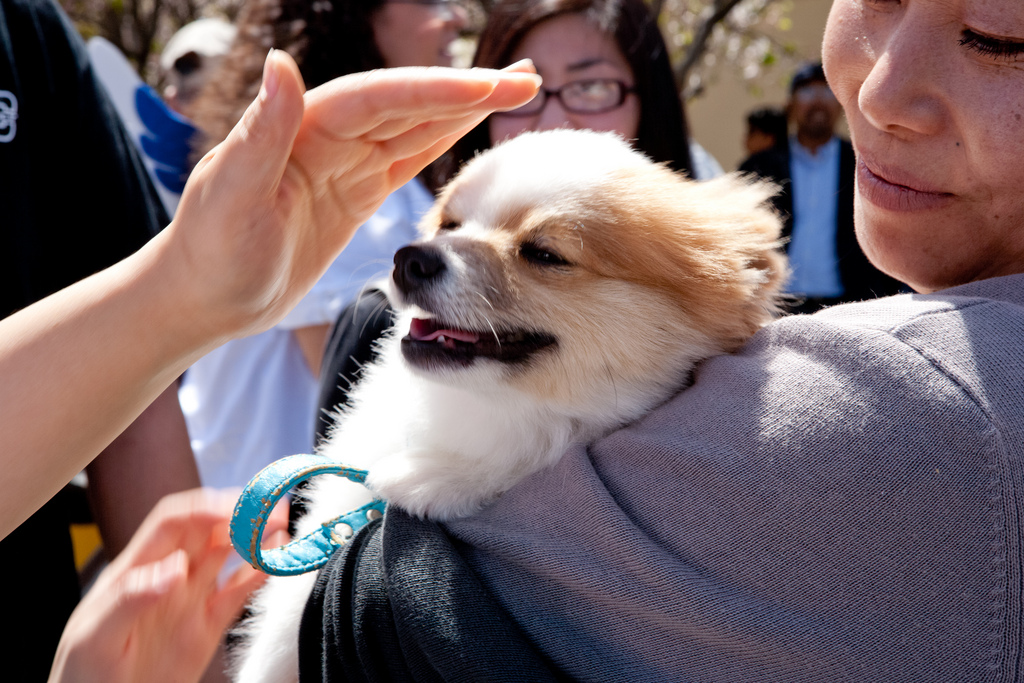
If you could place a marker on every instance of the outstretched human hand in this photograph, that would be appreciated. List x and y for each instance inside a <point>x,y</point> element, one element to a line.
<point>157,613</point>
<point>269,209</point>
<point>262,217</point>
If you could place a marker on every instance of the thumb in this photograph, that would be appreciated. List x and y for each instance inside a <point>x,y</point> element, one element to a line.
<point>262,140</point>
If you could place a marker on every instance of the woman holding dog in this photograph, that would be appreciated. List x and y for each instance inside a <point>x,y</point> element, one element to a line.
<point>838,501</point>
<point>841,500</point>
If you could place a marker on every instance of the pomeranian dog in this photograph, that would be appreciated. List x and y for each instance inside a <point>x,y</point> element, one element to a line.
<point>565,286</point>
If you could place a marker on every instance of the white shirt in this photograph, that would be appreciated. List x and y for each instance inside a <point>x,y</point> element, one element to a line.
<point>253,400</point>
<point>812,247</point>
<point>705,166</point>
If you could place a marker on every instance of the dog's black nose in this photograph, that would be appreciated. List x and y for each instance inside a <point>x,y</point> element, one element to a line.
<point>416,266</point>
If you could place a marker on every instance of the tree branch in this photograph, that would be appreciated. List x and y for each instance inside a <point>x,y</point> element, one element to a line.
<point>700,39</point>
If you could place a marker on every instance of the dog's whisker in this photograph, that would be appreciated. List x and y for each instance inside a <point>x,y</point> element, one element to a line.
<point>486,300</point>
<point>493,331</point>
<point>379,308</point>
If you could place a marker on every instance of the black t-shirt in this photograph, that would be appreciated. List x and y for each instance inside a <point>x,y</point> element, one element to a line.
<point>75,198</point>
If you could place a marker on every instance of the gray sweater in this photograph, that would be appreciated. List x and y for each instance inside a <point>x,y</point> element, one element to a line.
<point>840,501</point>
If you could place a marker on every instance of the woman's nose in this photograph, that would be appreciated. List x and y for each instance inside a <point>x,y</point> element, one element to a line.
<point>902,92</point>
<point>554,115</point>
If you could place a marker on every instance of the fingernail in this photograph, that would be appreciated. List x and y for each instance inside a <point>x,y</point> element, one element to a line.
<point>535,78</point>
<point>521,63</point>
<point>270,78</point>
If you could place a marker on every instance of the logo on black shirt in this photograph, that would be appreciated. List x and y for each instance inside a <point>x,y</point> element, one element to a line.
<point>8,116</point>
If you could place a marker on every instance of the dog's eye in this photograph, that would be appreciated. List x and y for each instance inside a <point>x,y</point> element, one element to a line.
<point>541,257</point>
<point>448,224</point>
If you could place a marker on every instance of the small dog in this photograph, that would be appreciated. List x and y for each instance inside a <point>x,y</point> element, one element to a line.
<point>566,286</point>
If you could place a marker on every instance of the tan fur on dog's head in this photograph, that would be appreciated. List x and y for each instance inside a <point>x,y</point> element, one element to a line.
<point>632,272</point>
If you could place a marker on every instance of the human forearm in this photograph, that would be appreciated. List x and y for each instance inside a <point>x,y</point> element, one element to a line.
<point>78,368</point>
<point>149,460</point>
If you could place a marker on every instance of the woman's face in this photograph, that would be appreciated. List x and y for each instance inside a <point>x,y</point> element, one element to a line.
<point>934,96</point>
<point>417,33</point>
<point>566,49</point>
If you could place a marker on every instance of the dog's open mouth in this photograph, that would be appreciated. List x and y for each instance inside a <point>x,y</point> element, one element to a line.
<point>430,342</point>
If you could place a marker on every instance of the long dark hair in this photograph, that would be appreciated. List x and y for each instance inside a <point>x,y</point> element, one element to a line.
<point>327,38</point>
<point>662,133</point>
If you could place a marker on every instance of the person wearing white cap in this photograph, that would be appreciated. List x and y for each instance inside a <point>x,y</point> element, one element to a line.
<point>189,56</point>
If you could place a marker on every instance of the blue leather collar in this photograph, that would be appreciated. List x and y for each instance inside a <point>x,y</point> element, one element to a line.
<point>311,551</point>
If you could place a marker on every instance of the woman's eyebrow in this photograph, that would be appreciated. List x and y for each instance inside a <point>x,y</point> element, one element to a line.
<point>586,63</point>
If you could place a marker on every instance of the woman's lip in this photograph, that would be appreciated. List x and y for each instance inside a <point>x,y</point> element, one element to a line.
<point>894,192</point>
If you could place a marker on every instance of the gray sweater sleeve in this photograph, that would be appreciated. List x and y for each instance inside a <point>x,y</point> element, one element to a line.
<point>838,502</point>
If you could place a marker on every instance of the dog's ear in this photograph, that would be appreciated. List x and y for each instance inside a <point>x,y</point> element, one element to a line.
<point>714,245</point>
<point>743,207</point>
<point>739,211</point>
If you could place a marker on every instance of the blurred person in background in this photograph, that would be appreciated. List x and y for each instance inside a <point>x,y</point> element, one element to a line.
<point>814,169</point>
<point>766,128</point>
<point>189,57</point>
<point>605,67</point>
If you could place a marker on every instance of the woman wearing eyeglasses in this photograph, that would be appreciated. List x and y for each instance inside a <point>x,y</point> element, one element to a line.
<point>605,67</point>
<point>253,400</point>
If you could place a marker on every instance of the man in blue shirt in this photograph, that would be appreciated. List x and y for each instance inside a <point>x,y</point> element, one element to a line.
<point>815,171</point>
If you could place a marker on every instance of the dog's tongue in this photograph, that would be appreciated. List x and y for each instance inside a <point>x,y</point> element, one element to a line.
<point>427,330</point>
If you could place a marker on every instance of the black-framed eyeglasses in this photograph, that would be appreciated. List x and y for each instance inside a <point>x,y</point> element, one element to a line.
<point>589,96</point>
<point>447,6</point>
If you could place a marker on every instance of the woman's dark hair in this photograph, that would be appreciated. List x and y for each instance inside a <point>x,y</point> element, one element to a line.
<point>327,38</point>
<point>662,133</point>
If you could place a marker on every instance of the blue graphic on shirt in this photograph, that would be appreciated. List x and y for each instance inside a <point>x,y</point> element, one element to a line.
<point>166,141</point>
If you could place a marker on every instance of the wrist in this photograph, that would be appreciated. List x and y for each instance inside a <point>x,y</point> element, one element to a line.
<point>195,309</point>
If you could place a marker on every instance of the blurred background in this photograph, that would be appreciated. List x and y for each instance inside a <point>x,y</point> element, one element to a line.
<point>730,56</point>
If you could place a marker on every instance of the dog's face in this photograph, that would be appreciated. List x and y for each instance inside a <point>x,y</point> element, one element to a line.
<point>569,267</point>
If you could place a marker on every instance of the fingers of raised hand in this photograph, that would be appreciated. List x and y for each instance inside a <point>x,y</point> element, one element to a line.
<point>360,125</point>
<point>375,103</point>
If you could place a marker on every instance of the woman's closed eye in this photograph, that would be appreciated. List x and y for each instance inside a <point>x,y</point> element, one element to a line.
<point>1005,49</point>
